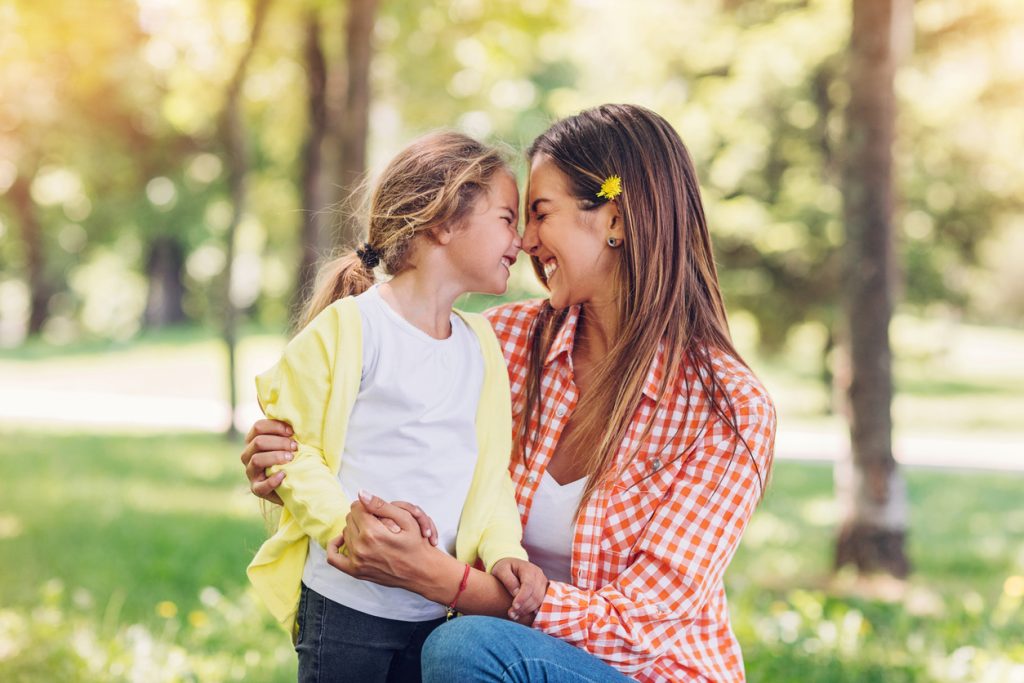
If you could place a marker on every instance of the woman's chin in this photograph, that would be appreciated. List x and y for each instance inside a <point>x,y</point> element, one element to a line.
<point>558,301</point>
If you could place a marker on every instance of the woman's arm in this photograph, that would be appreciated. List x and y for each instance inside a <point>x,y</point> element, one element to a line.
<point>268,443</point>
<point>406,560</point>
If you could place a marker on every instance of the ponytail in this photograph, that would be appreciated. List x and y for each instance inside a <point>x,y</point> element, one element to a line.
<point>346,275</point>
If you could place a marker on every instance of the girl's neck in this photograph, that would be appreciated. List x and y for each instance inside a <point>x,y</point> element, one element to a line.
<point>423,299</point>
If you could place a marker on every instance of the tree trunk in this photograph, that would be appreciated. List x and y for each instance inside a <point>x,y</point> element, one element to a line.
<point>871,490</point>
<point>355,120</point>
<point>315,194</point>
<point>233,135</point>
<point>166,290</point>
<point>39,287</point>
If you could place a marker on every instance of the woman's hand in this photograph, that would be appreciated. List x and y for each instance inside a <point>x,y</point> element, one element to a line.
<point>527,585</point>
<point>374,552</point>
<point>268,443</point>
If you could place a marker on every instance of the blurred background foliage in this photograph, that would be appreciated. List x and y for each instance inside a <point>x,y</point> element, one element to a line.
<point>115,193</point>
<point>123,553</point>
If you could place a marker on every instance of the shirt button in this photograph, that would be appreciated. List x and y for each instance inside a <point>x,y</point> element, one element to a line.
<point>532,478</point>
<point>655,465</point>
<point>560,411</point>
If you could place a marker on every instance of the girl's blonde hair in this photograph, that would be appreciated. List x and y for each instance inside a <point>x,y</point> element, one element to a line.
<point>434,181</point>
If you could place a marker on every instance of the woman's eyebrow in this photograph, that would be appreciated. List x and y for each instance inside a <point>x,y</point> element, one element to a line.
<point>533,205</point>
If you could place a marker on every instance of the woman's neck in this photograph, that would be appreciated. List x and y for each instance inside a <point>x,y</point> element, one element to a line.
<point>422,298</point>
<point>596,331</point>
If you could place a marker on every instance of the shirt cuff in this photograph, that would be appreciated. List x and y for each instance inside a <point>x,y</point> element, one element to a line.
<point>561,613</point>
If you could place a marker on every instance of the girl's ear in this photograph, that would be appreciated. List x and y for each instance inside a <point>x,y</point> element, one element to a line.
<point>441,234</point>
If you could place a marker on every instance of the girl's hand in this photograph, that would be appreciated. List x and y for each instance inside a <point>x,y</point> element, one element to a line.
<point>527,585</point>
<point>268,443</point>
<point>374,552</point>
<point>427,527</point>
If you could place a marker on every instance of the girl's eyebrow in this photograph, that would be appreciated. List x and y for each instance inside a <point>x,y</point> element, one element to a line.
<point>533,205</point>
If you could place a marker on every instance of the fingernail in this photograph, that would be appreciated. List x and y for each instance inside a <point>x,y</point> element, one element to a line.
<point>429,531</point>
<point>364,496</point>
<point>295,446</point>
<point>288,456</point>
<point>513,615</point>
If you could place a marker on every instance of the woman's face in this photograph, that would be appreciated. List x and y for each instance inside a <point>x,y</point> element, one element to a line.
<point>570,243</point>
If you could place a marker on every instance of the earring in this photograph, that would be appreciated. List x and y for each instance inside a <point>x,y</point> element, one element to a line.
<point>613,243</point>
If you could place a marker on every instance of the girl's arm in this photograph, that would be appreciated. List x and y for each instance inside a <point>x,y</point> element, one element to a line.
<point>298,391</point>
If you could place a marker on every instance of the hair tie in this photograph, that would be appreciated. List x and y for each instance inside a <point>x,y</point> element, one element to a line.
<point>368,255</point>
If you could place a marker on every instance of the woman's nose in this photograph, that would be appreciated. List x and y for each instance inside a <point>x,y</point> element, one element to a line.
<point>530,241</point>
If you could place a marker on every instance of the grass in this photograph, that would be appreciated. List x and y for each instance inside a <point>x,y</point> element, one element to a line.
<point>123,559</point>
<point>127,538</point>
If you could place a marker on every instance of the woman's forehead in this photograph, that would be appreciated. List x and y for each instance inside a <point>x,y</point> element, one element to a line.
<point>546,180</point>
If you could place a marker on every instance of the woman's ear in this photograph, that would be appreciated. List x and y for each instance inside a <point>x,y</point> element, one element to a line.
<point>614,220</point>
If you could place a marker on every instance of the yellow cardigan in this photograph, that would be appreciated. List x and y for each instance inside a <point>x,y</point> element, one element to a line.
<point>313,388</point>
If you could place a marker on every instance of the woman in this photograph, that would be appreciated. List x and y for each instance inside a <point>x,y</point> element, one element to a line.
<point>642,440</point>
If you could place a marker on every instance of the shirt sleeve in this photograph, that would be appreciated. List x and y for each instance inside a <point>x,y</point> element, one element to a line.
<point>297,391</point>
<point>504,532</point>
<point>681,556</point>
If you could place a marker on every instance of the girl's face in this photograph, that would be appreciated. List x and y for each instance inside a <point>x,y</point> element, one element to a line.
<point>570,243</point>
<point>483,250</point>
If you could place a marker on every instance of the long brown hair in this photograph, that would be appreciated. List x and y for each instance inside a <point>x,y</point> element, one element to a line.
<point>433,182</point>
<point>667,279</point>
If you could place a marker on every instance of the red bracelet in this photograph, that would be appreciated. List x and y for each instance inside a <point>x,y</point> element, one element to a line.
<point>462,586</point>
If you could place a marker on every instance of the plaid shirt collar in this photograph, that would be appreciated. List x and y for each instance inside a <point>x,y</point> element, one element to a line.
<point>566,337</point>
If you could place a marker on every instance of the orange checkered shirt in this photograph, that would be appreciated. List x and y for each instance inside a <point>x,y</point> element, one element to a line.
<point>650,548</point>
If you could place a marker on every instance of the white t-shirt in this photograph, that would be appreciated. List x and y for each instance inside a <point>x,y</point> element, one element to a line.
<point>411,437</point>
<point>547,537</point>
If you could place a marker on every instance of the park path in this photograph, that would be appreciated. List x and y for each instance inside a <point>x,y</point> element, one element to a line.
<point>53,407</point>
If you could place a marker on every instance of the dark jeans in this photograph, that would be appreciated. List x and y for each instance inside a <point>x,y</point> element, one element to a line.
<point>337,643</point>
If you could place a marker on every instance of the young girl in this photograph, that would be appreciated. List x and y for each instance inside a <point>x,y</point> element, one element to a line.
<point>390,391</point>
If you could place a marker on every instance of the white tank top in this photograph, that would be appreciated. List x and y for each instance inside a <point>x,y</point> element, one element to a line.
<point>549,530</point>
<point>412,437</point>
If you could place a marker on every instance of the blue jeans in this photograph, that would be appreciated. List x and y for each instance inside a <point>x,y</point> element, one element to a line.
<point>338,643</point>
<point>490,649</point>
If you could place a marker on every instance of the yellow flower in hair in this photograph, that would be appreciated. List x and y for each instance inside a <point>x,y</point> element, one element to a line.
<point>611,187</point>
